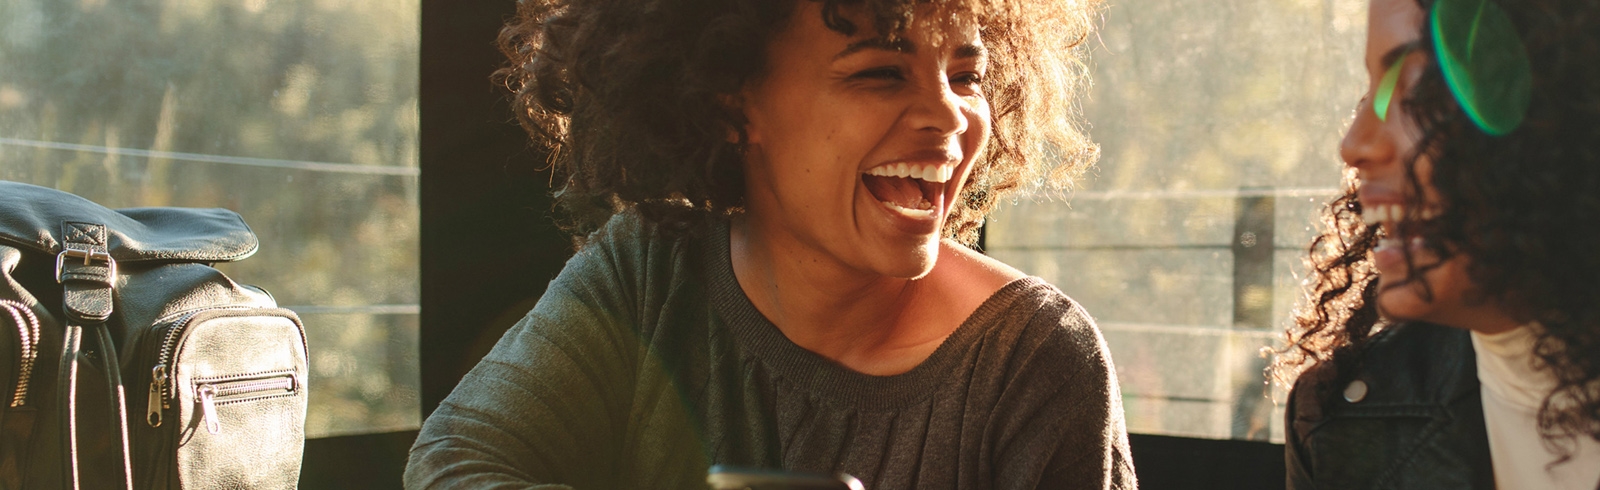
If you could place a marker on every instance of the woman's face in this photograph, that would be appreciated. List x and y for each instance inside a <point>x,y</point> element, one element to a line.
<point>1377,150</point>
<point>858,148</point>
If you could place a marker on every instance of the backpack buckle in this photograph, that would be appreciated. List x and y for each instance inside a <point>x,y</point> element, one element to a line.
<point>88,257</point>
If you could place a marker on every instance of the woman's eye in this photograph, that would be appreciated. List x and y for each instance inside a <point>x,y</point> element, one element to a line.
<point>970,79</point>
<point>883,73</point>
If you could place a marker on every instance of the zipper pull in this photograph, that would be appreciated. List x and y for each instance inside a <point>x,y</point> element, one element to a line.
<point>158,380</point>
<point>208,408</point>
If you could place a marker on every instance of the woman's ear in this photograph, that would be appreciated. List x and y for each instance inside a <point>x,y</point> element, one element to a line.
<point>733,106</point>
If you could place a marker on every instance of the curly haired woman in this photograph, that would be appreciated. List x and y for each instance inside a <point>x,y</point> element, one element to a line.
<point>774,199</point>
<point>1452,335</point>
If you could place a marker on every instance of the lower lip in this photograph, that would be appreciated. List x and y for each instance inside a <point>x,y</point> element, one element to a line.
<point>1388,256</point>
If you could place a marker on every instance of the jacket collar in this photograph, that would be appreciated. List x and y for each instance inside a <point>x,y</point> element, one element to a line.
<point>1417,365</point>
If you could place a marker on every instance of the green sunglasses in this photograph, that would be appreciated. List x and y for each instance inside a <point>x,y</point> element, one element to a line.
<point>1483,62</point>
<point>1391,78</point>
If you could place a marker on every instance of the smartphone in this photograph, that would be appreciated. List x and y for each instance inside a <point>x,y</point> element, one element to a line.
<point>734,478</point>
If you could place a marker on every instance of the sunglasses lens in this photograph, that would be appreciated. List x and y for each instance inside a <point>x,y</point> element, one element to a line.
<point>1385,95</point>
<point>1483,62</point>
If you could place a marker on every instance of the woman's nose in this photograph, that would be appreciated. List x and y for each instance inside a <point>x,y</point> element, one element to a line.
<point>940,110</point>
<point>1365,143</point>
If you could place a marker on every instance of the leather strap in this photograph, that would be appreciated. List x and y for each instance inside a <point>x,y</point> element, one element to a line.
<point>67,399</point>
<point>119,413</point>
<point>87,274</point>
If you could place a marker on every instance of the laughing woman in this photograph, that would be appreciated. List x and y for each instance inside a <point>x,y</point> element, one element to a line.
<point>1453,331</point>
<point>775,198</point>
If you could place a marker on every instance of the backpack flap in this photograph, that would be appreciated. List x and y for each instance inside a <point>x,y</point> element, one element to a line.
<point>34,217</point>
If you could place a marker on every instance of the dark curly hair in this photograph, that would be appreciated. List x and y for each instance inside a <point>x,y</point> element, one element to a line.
<point>629,97</point>
<point>1525,207</point>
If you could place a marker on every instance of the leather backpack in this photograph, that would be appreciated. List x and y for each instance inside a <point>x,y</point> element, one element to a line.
<point>127,361</point>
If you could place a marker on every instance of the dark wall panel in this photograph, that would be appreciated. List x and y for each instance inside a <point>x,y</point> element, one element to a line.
<point>1182,463</point>
<point>367,461</point>
<point>488,245</point>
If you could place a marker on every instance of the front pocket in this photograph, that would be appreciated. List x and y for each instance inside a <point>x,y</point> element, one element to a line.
<point>214,392</point>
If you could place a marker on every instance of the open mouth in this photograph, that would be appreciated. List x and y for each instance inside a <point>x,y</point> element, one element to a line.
<point>1391,246</point>
<point>1389,217</point>
<point>912,190</point>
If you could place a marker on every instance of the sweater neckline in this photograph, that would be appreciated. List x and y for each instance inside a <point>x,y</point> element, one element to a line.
<point>813,373</point>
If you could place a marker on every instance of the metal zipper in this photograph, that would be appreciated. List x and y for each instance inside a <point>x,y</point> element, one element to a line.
<point>28,332</point>
<point>155,402</point>
<point>209,394</point>
<point>160,389</point>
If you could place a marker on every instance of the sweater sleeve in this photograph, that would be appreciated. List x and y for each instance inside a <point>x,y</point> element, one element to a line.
<point>1080,421</point>
<point>553,405</point>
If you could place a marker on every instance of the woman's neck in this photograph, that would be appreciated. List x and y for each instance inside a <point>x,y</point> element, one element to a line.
<point>868,322</point>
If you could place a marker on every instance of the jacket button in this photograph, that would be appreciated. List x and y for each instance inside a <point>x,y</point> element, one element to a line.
<point>1355,391</point>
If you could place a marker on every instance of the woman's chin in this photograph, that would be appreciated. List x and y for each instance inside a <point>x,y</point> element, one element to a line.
<point>1405,302</point>
<point>1401,305</point>
<point>913,263</point>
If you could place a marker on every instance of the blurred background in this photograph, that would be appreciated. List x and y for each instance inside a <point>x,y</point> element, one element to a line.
<point>300,115</point>
<point>1218,123</point>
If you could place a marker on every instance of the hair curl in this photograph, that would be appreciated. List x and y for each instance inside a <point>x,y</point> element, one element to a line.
<point>1524,206</point>
<point>627,97</point>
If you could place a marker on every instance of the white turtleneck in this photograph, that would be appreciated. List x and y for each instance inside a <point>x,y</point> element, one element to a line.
<point>1514,385</point>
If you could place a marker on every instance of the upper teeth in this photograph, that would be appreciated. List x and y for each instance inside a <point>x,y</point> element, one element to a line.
<point>1384,213</point>
<point>930,173</point>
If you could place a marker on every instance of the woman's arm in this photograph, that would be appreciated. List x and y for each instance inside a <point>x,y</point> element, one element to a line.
<point>567,398</point>
<point>547,405</point>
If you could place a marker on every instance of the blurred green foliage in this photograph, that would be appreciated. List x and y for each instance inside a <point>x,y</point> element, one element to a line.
<point>295,80</point>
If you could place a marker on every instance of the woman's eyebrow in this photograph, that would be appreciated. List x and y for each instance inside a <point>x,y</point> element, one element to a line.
<point>971,50</point>
<point>899,46</point>
<point>1397,52</point>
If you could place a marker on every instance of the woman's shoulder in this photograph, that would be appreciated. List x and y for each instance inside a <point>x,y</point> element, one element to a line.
<point>1412,363</point>
<point>1408,354</point>
<point>626,230</point>
<point>966,284</point>
<point>631,243</point>
<point>1042,330</point>
<point>973,269</point>
<point>1031,303</point>
<point>627,264</point>
<point>1010,302</point>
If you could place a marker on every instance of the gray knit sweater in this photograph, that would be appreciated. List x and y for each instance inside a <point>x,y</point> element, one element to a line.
<point>644,363</point>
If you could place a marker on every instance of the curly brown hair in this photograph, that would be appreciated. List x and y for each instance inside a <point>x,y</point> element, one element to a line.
<point>1524,206</point>
<point>629,97</point>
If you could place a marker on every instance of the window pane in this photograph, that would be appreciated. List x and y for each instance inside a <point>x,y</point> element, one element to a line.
<point>301,115</point>
<point>1219,125</point>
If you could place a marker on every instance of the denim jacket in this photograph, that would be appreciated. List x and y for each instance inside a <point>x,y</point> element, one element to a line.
<point>1410,417</point>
